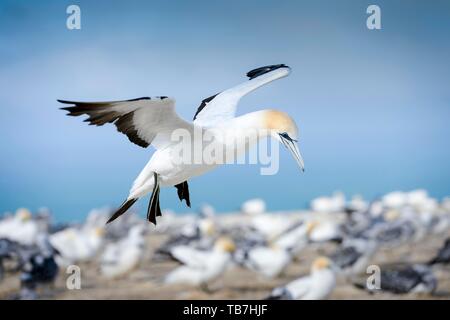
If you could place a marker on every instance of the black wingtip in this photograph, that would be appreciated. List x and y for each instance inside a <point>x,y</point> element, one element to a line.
<point>252,74</point>
<point>64,101</point>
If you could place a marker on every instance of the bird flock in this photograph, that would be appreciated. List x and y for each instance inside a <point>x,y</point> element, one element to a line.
<point>347,237</point>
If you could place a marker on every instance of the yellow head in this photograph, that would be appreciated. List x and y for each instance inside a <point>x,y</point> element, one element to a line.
<point>23,214</point>
<point>321,263</point>
<point>225,244</point>
<point>99,232</point>
<point>207,227</point>
<point>284,129</point>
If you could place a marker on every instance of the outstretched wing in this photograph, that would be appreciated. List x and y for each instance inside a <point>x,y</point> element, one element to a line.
<point>144,120</point>
<point>222,106</point>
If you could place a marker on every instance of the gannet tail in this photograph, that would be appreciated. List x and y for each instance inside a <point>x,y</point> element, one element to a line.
<point>123,208</point>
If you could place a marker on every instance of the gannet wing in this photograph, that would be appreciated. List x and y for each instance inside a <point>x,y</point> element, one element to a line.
<point>189,256</point>
<point>222,106</point>
<point>144,120</point>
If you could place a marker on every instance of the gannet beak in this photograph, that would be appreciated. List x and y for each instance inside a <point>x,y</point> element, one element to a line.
<point>292,146</point>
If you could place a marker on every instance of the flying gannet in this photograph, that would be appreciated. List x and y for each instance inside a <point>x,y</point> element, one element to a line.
<point>152,121</point>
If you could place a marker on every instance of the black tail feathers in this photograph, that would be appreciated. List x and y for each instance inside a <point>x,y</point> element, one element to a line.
<point>123,208</point>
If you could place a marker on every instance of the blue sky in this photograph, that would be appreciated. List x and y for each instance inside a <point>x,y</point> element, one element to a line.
<point>372,106</point>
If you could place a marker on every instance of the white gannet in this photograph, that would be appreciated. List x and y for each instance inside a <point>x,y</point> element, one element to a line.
<point>316,286</point>
<point>326,229</point>
<point>75,245</point>
<point>296,238</point>
<point>269,261</point>
<point>121,257</point>
<point>335,203</point>
<point>20,228</point>
<point>253,207</point>
<point>396,199</point>
<point>201,267</point>
<point>153,121</point>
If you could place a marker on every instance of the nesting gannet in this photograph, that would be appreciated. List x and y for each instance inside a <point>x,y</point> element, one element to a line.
<point>335,203</point>
<point>316,286</point>
<point>268,261</point>
<point>20,228</point>
<point>271,225</point>
<point>77,245</point>
<point>154,121</point>
<point>357,203</point>
<point>253,207</point>
<point>201,267</point>
<point>296,238</point>
<point>395,199</point>
<point>119,258</point>
<point>327,229</point>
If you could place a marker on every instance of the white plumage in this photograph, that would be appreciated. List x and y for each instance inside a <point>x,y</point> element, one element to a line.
<point>120,258</point>
<point>153,121</point>
<point>200,267</point>
<point>316,286</point>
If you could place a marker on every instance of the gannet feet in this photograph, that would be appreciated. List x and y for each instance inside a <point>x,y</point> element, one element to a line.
<point>154,209</point>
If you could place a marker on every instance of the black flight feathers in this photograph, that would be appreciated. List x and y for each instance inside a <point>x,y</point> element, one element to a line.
<point>263,70</point>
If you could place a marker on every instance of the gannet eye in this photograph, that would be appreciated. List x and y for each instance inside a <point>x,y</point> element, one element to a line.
<point>284,135</point>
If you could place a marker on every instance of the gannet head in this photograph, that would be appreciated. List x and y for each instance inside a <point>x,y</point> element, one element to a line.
<point>99,232</point>
<point>23,214</point>
<point>321,263</point>
<point>284,129</point>
<point>225,244</point>
<point>207,227</point>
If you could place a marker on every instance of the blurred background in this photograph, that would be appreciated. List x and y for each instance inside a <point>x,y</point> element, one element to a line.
<point>372,105</point>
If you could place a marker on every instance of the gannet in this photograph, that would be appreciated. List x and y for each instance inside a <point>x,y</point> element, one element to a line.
<point>296,238</point>
<point>316,286</point>
<point>119,258</point>
<point>201,267</point>
<point>153,121</point>
<point>76,245</point>
<point>269,261</point>
<point>335,203</point>
<point>20,228</point>
<point>253,207</point>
